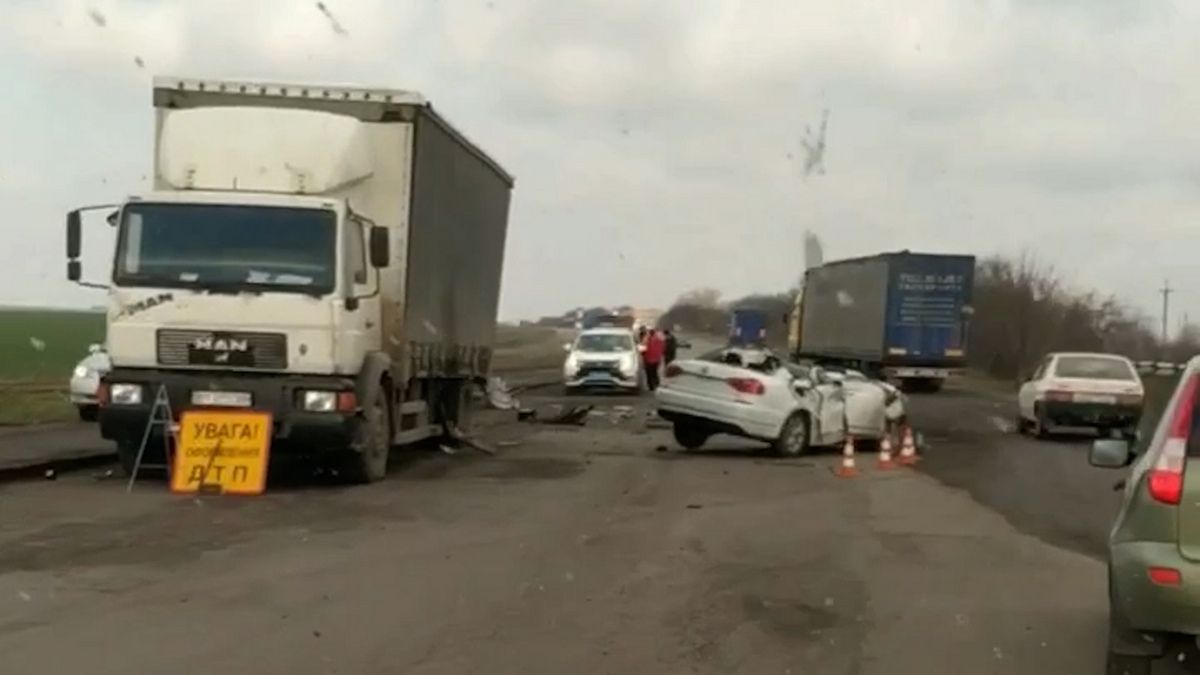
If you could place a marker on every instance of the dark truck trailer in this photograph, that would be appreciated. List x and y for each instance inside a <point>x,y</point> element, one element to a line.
<point>903,316</point>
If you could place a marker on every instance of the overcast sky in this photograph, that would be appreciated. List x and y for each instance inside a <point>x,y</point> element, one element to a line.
<point>657,145</point>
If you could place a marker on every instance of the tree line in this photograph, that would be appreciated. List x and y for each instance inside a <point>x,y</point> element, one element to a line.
<point>1022,310</point>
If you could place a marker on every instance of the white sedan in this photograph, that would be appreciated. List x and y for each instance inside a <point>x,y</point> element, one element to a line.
<point>85,382</point>
<point>754,394</point>
<point>1076,389</point>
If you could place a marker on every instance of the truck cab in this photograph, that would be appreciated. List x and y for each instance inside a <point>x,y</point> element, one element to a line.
<point>301,255</point>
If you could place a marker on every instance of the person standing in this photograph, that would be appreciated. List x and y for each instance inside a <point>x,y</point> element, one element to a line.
<point>652,357</point>
<point>670,347</point>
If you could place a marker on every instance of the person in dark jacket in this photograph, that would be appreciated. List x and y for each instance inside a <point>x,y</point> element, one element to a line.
<point>670,346</point>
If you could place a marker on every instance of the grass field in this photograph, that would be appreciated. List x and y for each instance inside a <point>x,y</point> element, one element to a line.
<point>44,345</point>
<point>38,349</point>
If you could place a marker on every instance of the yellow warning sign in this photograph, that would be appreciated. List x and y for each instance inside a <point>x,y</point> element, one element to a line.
<point>224,451</point>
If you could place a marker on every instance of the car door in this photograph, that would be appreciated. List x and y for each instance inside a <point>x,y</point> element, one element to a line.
<point>1028,392</point>
<point>830,395</point>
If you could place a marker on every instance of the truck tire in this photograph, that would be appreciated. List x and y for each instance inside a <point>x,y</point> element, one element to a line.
<point>690,435</point>
<point>368,461</point>
<point>793,439</point>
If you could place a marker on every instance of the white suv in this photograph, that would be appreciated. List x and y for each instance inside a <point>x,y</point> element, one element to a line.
<point>1078,389</point>
<point>603,358</point>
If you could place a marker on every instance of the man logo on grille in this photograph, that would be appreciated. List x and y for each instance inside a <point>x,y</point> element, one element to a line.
<point>211,343</point>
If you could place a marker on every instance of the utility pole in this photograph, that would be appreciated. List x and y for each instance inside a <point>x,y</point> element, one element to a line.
<point>1166,291</point>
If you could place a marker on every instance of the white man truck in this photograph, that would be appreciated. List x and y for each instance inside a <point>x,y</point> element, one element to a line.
<point>330,255</point>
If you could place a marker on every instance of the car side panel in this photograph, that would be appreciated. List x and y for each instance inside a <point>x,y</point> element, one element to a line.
<point>1146,605</point>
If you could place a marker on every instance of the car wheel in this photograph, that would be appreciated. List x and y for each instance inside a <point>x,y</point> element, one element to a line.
<point>88,413</point>
<point>793,440</point>
<point>1040,426</point>
<point>690,435</point>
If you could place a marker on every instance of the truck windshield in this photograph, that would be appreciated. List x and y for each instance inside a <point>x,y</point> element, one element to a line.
<point>227,247</point>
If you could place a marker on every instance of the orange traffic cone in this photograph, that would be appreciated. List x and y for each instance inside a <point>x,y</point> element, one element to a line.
<point>908,448</point>
<point>847,468</point>
<point>885,452</point>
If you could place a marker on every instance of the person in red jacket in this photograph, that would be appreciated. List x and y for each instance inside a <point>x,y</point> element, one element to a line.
<point>652,357</point>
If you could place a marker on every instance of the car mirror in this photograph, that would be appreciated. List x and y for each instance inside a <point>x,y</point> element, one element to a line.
<point>379,247</point>
<point>1110,453</point>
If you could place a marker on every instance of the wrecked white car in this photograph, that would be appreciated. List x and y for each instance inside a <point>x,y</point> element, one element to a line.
<point>752,393</point>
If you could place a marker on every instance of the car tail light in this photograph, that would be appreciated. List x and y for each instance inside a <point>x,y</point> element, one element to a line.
<point>1165,576</point>
<point>672,370</point>
<point>1059,396</point>
<point>747,385</point>
<point>1165,481</point>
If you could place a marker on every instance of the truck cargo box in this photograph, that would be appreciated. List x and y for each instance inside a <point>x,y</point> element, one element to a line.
<point>891,309</point>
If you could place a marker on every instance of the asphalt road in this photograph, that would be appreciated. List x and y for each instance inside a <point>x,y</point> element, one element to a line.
<point>582,550</point>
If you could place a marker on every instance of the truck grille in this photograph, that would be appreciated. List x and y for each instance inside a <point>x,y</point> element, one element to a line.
<point>223,349</point>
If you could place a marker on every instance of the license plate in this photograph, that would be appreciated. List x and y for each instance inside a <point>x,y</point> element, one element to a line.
<point>1106,399</point>
<point>222,399</point>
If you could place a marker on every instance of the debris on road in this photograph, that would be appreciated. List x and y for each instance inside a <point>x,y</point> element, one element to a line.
<point>499,396</point>
<point>50,474</point>
<point>577,416</point>
<point>526,415</point>
<point>694,506</point>
<point>661,448</point>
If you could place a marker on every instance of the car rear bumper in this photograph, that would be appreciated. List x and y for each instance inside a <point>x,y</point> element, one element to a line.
<point>736,418</point>
<point>1146,605</point>
<point>1069,413</point>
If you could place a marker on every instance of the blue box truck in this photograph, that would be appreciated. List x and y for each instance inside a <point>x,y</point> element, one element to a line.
<point>902,316</point>
<point>747,328</point>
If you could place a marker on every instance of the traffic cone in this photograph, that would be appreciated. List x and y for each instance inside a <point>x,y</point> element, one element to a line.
<point>908,448</point>
<point>885,452</point>
<point>847,468</point>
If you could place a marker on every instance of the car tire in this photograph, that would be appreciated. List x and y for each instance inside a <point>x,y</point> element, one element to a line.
<point>1039,426</point>
<point>794,439</point>
<point>690,435</point>
<point>368,463</point>
<point>89,413</point>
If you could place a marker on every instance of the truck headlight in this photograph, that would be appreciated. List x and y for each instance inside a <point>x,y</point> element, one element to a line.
<point>328,401</point>
<point>125,394</point>
<point>320,401</point>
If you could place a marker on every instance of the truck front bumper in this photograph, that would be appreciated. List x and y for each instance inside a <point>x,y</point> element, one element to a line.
<point>295,429</point>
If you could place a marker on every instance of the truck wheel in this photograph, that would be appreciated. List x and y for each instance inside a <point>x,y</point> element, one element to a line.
<point>690,435</point>
<point>369,459</point>
<point>127,455</point>
<point>793,440</point>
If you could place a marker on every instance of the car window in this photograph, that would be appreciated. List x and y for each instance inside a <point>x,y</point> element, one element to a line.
<point>604,342</point>
<point>1094,368</point>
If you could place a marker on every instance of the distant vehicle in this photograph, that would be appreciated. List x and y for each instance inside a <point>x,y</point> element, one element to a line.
<point>85,382</point>
<point>752,393</point>
<point>901,316</point>
<point>1100,391</point>
<point>328,255</point>
<point>1154,546</point>
<point>747,328</point>
<point>603,358</point>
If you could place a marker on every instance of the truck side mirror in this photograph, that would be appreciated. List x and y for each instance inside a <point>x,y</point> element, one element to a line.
<point>74,236</point>
<point>74,270</point>
<point>380,250</point>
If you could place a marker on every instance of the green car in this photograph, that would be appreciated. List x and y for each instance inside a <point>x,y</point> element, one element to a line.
<point>1154,546</point>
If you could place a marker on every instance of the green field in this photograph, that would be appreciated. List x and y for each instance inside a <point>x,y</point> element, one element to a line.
<point>44,344</point>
